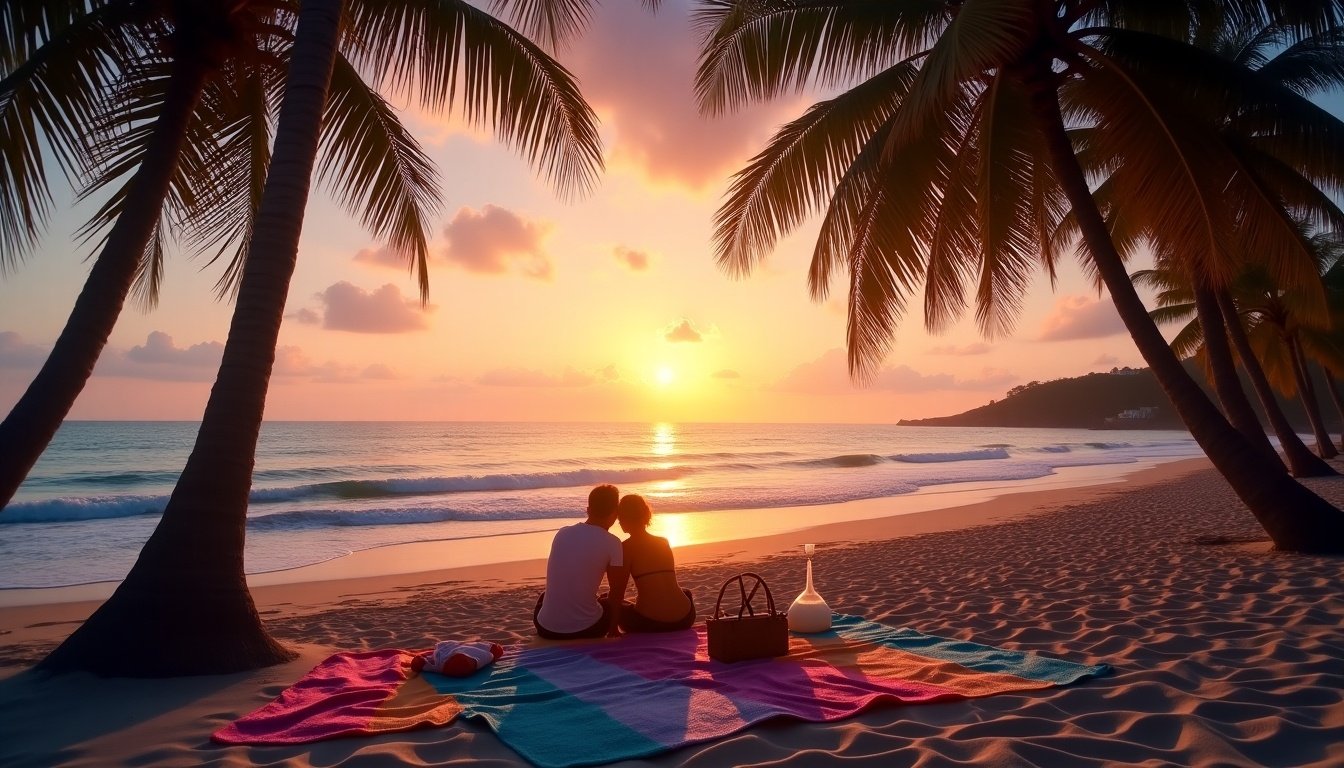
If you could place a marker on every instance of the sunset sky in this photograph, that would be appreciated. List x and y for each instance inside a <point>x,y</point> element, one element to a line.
<point>608,308</point>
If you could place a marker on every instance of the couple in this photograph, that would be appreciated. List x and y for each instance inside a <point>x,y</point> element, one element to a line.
<point>582,553</point>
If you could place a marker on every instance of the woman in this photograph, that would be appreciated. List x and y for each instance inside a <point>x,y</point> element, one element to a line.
<point>661,605</point>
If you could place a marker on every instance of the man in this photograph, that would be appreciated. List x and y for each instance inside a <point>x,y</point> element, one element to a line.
<point>581,554</point>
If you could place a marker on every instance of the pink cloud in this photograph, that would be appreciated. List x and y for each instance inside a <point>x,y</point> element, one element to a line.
<point>384,310</point>
<point>16,353</point>
<point>683,332</point>
<point>382,257</point>
<point>1079,317</point>
<point>494,240</point>
<point>159,359</point>
<point>637,70</point>
<point>159,349</point>
<point>635,261</point>
<point>829,374</point>
<point>1106,360</point>
<point>306,316</point>
<point>726,373</point>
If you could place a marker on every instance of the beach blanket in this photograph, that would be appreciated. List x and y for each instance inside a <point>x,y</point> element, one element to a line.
<point>590,702</point>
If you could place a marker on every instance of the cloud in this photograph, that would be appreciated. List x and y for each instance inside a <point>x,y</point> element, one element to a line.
<point>382,257</point>
<point>635,261</point>
<point>609,373</point>
<point>726,373</point>
<point>495,240</point>
<point>637,70</point>
<point>306,316</point>
<point>292,362</point>
<point>159,349</point>
<point>160,359</point>
<point>978,348</point>
<point>385,310</point>
<point>683,332</point>
<point>1106,360</point>
<point>1079,317</point>
<point>16,353</point>
<point>829,374</point>
<point>523,377</point>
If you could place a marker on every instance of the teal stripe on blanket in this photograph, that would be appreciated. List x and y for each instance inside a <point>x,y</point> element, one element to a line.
<point>982,658</point>
<point>573,731</point>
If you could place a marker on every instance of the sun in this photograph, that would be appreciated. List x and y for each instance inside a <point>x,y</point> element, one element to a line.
<point>664,375</point>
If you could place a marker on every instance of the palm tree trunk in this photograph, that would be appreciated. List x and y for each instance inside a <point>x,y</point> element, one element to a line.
<point>1295,518</point>
<point>1307,391</point>
<point>1333,387</point>
<point>1224,369</point>
<point>185,607</point>
<point>34,419</point>
<point>1301,461</point>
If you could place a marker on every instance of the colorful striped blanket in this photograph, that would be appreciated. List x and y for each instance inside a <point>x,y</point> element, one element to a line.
<point>589,702</point>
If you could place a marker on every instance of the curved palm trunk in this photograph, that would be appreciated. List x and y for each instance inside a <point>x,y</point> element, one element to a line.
<point>1301,461</point>
<point>1307,391</point>
<point>1333,387</point>
<point>1225,380</point>
<point>1295,518</point>
<point>34,419</point>
<point>185,607</point>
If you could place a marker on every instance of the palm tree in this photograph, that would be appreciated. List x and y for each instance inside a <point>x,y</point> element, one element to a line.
<point>196,151</point>
<point>65,82</point>
<point>1283,330</point>
<point>185,608</point>
<point>1176,303</point>
<point>1305,65</point>
<point>950,162</point>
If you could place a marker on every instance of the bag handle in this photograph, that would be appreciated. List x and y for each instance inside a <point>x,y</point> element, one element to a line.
<point>747,597</point>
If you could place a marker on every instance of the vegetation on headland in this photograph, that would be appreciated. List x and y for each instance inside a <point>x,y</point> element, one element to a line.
<point>1087,402</point>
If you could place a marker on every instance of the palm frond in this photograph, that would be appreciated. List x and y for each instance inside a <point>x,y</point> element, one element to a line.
<point>758,50</point>
<point>795,173</point>
<point>1172,313</point>
<point>58,80</point>
<point>1010,220</point>
<point>1308,66</point>
<point>981,37</point>
<point>550,22</point>
<point>1170,170</point>
<point>377,169</point>
<point>448,53</point>
<point>1189,340</point>
<point>149,270</point>
<point>244,106</point>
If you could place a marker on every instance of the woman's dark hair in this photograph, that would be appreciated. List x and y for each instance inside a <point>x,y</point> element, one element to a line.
<point>633,512</point>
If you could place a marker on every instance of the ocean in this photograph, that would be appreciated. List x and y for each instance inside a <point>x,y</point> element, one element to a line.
<point>322,490</point>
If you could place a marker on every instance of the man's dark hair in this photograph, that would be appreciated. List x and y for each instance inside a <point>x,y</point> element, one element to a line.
<point>602,501</point>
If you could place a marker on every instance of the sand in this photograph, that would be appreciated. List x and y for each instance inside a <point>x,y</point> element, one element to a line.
<point>1225,653</point>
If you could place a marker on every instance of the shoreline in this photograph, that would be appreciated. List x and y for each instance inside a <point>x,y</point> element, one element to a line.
<point>1222,654</point>
<point>44,615</point>
<point>516,553</point>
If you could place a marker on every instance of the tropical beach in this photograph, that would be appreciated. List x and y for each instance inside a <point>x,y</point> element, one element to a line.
<point>1005,335</point>
<point>1224,653</point>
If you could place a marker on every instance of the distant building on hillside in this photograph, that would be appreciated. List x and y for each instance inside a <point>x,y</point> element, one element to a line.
<point>1136,417</point>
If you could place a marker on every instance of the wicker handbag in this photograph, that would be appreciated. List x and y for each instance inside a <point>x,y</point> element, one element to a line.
<point>749,634</point>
